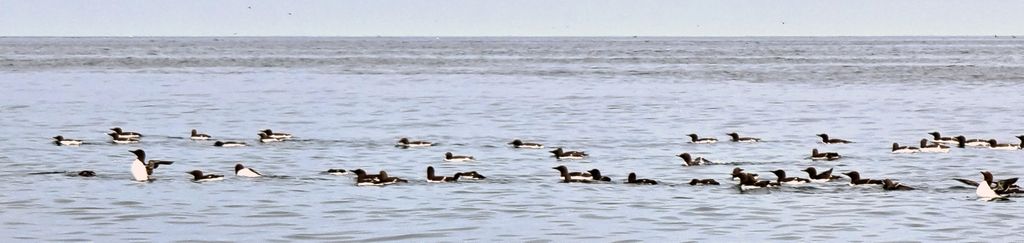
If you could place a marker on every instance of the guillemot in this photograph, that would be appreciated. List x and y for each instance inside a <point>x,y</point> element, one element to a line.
<point>520,144</point>
<point>241,170</point>
<point>198,136</point>
<point>198,176</point>
<point>815,155</point>
<point>277,135</point>
<point>142,171</point>
<point>124,134</point>
<point>363,179</point>
<point>824,176</point>
<point>933,148</point>
<point>564,172</point>
<point>86,173</point>
<point>690,161</point>
<point>963,142</point>
<point>60,140</point>
<point>1001,187</point>
<point>472,175</point>
<point>782,179</point>
<point>336,172</point>
<point>595,175</point>
<point>856,180</point>
<point>826,140</point>
<point>434,178</point>
<point>940,139</point>
<point>229,144</point>
<point>631,179</point>
<point>747,182</point>
<point>562,154</point>
<point>992,144</point>
<point>735,137</point>
<point>737,172</point>
<point>449,157</point>
<point>698,140</point>
<point>384,178</point>
<point>897,149</point>
<point>118,139</point>
<point>695,182</point>
<point>405,143</point>
<point>890,185</point>
<point>265,138</point>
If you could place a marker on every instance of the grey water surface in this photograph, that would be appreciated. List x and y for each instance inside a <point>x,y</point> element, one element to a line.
<point>626,101</point>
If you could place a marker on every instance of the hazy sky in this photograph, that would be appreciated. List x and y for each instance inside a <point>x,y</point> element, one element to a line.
<point>509,18</point>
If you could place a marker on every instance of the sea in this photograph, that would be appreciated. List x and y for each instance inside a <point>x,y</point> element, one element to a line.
<point>628,102</point>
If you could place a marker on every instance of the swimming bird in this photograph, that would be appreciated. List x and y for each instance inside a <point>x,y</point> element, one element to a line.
<point>596,175</point>
<point>824,176</point>
<point>963,142</point>
<point>336,171</point>
<point>737,172</point>
<point>940,139</point>
<point>60,140</point>
<point>198,136</point>
<point>985,192</point>
<point>782,179</point>
<point>748,182</point>
<point>933,148</point>
<point>856,180</point>
<point>405,143</point>
<point>826,140</point>
<point>520,144</point>
<point>690,161</point>
<point>118,139</point>
<point>697,140</point>
<point>277,135</point>
<point>363,179</point>
<point>265,138</point>
<point>736,138</point>
<point>564,172</point>
<point>472,175</point>
<point>815,155</point>
<point>631,179</point>
<point>449,157</point>
<point>384,178</point>
<point>241,170</point>
<point>198,176</point>
<point>890,185</point>
<point>992,144</point>
<point>124,134</point>
<point>897,149</point>
<point>562,154</point>
<point>86,173</point>
<point>695,182</point>
<point>434,178</point>
<point>229,144</point>
<point>142,171</point>
<point>1005,186</point>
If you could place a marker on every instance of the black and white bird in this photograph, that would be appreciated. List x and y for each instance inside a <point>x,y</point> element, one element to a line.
<point>933,147</point>
<point>141,169</point>
<point>241,170</point>
<point>631,179</point>
<point>520,144</point>
<point>432,177</point>
<point>124,134</point>
<point>856,180</point>
<point>406,143</point>
<point>824,176</point>
<point>118,139</point>
<point>826,140</point>
<point>735,137</point>
<point>897,149</point>
<point>690,161</point>
<point>198,136</point>
<point>198,176</point>
<point>890,185</point>
<point>782,179</point>
<point>815,155</point>
<point>227,144</point>
<point>563,154</point>
<point>449,157</point>
<point>938,138</point>
<point>963,142</point>
<point>992,144</point>
<point>277,135</point>
<point>698,140</point>
<point>265,138</point>
<point>60,141</point>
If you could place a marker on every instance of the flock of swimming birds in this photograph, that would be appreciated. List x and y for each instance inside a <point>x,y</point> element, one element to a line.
<point>987,189</point>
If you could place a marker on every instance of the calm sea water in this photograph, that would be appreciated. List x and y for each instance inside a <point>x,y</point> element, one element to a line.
<point>628,102</point>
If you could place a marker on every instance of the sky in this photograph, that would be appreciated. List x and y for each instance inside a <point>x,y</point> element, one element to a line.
<point>510,18</point>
